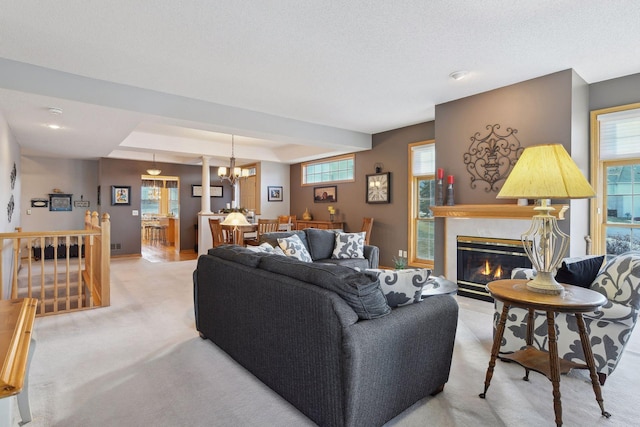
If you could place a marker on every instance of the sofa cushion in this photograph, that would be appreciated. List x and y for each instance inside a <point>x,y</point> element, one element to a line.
<point>360,291</point>
<point>355,263</point>
<point>581,271</point>
<point>401,287</point>
<point>320,242</point>
<point>292,246</point>
<point>236,254</point>
<point>349,245</point>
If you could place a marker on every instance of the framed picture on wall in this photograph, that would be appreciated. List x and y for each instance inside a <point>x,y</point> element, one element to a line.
<point>120,195</point>
<point>327,194</point>
<point>214,190</point>
<point>378,188</point>
<point>274,194</point>
<point>59,202</point>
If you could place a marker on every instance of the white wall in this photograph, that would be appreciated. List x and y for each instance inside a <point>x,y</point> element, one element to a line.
<point>274,174</point>
<point>9,155</point>
<point>579,209</point>
<point>40,175</point>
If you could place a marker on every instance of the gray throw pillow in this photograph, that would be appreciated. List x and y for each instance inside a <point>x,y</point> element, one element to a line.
<point>321,242</point>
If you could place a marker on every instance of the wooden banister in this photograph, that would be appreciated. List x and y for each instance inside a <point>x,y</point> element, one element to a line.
<point>15,337</point>
<point>85,284</point>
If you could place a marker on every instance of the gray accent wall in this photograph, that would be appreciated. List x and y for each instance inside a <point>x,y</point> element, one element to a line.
<point>612,93</point>
<point>540,109</point>
<point>125,228</point>
<point>548,109</point>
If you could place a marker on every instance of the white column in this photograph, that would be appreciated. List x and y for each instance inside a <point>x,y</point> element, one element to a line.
<point>205,203</point>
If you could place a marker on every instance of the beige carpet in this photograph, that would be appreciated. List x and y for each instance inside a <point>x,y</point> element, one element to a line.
<point>140,362</point>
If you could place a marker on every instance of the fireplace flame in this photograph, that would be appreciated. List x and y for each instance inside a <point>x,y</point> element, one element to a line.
<point>487,268</point>
<point>498,272</point>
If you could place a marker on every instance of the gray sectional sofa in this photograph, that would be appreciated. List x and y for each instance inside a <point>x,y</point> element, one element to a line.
<point>322,336</point>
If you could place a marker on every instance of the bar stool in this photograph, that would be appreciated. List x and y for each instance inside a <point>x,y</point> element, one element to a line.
<point>158,234</point>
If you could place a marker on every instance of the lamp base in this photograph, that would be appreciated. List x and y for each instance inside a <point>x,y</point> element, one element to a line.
<point>545,283</point>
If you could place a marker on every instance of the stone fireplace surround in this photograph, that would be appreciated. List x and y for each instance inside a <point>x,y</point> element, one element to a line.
<point>497,221</point>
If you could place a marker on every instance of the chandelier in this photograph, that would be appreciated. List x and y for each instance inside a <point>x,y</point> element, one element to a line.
<point>154,169</point>
<point>233,174</point>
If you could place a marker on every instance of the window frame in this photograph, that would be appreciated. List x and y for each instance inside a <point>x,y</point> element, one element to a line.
<point>598,204</point>
<point>413,208</point>
<point>328,160</point>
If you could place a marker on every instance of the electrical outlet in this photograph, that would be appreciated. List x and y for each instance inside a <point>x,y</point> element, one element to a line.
<point>28,211</point>
<point>134,212</point>
<point>404,254</point>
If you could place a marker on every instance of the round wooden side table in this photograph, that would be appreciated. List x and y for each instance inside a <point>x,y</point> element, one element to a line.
<point>574,299</point>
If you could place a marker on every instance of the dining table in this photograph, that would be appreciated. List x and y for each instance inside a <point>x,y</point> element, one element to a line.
<point>236,233</point>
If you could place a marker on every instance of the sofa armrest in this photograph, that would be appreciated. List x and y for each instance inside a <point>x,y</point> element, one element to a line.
<point>372,254</point>
<point>394,361</point>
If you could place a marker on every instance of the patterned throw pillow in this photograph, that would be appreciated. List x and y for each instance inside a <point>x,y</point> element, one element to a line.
<point>401,287</point>
<point>293,247</point>
<point>266,248</point>
<point>349,245</point>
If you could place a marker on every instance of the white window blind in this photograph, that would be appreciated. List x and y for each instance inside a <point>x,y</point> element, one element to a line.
<point>619,134</point>
<point>424,160</point>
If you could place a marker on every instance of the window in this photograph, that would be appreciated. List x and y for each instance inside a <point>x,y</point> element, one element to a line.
<point>160,196</point>
<point>422,191</point>
<point>615,168</point>
<point>329,170</point>
<point>151,195</point>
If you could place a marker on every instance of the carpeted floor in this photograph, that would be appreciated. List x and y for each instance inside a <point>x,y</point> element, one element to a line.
<point>140,362</point>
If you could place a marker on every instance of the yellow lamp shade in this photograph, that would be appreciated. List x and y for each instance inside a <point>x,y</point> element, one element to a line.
<point>546,172</point>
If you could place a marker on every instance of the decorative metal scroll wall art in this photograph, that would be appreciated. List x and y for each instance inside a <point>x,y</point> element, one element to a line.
<point>491,158</point>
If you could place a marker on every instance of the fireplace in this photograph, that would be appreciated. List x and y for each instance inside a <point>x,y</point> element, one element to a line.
<point>483,259</point>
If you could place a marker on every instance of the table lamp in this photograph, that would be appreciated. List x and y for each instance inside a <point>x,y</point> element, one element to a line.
<point>545,172</point>
<point>235,219</point>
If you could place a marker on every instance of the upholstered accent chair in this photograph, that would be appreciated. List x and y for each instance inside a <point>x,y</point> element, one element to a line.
<point>609,328</point>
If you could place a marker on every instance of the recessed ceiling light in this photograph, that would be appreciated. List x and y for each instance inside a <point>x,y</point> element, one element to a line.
<point>53,126</point>
<point>459,75</point>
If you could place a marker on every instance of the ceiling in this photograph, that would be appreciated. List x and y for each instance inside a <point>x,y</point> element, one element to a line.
<point>293,80</point>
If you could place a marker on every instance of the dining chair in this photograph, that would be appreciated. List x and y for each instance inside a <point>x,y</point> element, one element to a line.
<point>264,226</point>
<point>286,222</point>
<point>216,232</point>
<point>367,225</point>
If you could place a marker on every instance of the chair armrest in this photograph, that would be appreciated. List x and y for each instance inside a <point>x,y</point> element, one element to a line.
<point>612,311</point>
<point>372,254</point>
